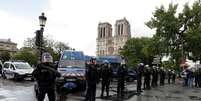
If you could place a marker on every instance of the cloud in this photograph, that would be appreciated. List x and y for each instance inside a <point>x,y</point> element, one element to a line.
<point>16,28</point>
<point>76,21</point>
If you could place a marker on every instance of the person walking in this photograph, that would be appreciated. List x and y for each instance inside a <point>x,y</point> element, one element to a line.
<point>45,75</point>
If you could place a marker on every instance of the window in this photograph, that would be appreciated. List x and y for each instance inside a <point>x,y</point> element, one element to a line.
<point>6,65</point>
<point>12,67</point>
<point>101,32</point>
<point>104,32</point>
<point>121,29</point>
<point>21,66</point>
<point>118,29</point>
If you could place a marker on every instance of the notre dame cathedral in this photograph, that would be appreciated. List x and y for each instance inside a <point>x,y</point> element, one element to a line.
<point>109,44</point>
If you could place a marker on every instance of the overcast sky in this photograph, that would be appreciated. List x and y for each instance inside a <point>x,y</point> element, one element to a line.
<point>75,21</point>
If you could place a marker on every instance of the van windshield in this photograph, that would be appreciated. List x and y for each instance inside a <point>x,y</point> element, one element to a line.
<point>73,56</point>
<point>22,66</point>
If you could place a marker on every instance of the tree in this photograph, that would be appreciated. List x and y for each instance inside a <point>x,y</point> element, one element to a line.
<point>61,46</point>
<point>5,56</point>
<point>49,45</point>
<point>193,34</point>
<point>27,54</point>
<point>138,50</point>
<point>177,30</point>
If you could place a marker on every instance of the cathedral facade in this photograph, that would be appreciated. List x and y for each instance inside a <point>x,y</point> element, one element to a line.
<point>109,44</point>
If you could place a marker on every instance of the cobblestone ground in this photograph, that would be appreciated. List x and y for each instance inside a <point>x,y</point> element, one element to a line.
<point>23,91</point>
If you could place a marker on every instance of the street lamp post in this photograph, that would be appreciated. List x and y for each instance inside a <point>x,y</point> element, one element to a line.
<point>39,35</point>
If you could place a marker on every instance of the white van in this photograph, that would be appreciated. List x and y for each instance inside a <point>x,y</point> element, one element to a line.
<point>17,70</point>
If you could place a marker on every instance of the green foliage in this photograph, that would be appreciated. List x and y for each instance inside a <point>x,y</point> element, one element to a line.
<point>5,56</point>
<point>179,33</point>
<point>50,45</point>
<point>137,50</point>
<point>27,54</point>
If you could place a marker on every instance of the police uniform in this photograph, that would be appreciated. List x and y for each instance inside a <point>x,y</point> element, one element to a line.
<point>169,76</point>
<point>45,75</point>
<point>121,80</point>
<point>147,78</point>
<point>140,70</point>
<point>106,75</point>
<point>162,77</point>
<point>92,79</point>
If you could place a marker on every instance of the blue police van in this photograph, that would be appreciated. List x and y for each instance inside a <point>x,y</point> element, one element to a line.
<point>72,68</point>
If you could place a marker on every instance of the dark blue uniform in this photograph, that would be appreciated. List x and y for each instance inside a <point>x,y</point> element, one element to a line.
<point>45,75</point>
<point>106,75</point>
<point>121,80</point>
<point>92,80</point>
<point>140,70</point>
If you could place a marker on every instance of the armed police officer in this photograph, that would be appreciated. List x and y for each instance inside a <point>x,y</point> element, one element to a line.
<point>140,70</point>
<point>147,77</point>
<point>106,75</point>
<point>92,77</point>
<point>162,76</point>
<point>121,78</point>
<point>45,75</point>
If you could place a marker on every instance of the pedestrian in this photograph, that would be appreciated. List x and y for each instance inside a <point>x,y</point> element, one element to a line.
<point>106,76</point>
<point>45,75</point>
<point>196,77</point>
<point>92,79</point>
<point>199,77</point>
<point>121,78</point>
<point>140,70</point>
<point>190,78</point>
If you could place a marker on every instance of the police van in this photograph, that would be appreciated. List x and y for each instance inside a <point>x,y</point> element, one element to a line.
<point>17,70</point>
<point>72,68</point>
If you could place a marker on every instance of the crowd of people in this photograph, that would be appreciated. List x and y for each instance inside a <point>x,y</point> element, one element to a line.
<point>191,77</point>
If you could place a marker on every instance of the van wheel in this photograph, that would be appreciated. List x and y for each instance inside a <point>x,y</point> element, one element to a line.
<point>15,77</point>
<point>4,76</point>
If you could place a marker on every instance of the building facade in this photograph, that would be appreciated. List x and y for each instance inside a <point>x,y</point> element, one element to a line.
<point>109,44</point>
<point>6,45</point>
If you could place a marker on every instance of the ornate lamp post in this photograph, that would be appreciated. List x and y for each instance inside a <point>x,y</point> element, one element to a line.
<point>39,35</point>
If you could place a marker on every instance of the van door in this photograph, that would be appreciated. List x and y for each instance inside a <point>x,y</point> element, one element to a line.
<point>6,70</point>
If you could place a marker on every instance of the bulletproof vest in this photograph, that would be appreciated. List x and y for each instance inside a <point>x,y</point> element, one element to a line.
<point>121,72</point>
<point>46,76</point>
<point>92,73</point>
<point>105,73</point>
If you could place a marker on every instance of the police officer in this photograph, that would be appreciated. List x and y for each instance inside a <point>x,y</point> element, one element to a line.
<point>92,80</point>
<point>162,76</point>
<point>173,76</point>
<point>169,74</point>
<point>140,70</point>
<point>154,76</point>
<point>45,75</point>
<point>147,77</point>
<point>121,78</point>
<point>106,75</point>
